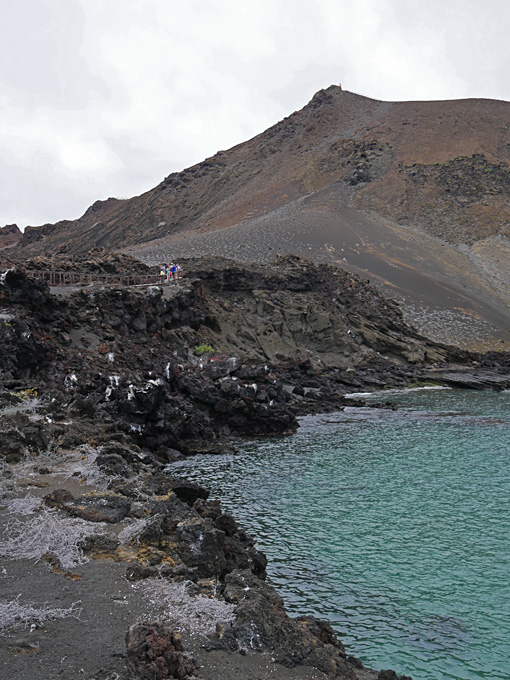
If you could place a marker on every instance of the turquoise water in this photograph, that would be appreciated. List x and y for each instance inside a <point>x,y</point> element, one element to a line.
<point>392,525</point>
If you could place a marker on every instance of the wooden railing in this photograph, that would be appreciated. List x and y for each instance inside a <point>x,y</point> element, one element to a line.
<point>54,278</point>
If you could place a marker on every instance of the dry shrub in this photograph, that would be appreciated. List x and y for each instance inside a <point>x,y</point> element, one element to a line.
<point>135,528</point>
<point>14,613</point>
<point>24,506</point>
<point>82,463</point>
<point>198,615</point>
<point>47,534</point>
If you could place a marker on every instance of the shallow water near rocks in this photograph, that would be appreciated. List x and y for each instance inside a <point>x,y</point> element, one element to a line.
<point>392,525</point>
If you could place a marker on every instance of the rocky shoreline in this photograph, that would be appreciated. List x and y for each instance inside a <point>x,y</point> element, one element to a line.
<point>102,387</point>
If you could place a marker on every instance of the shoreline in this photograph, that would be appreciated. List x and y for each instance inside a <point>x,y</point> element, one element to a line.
<point>35,645</point>
<point>29,648</point>
<point>236,480</point>
<point>114,384</point>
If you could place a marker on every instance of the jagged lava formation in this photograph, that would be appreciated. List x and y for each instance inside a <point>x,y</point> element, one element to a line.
<point>130,380</point>
<point>267,336</point>
<point>120,372</point>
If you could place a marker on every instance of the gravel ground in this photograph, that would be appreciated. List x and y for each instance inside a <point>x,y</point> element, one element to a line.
<point>77,618</point>
<point>90,643</point>
<point>451,294</point>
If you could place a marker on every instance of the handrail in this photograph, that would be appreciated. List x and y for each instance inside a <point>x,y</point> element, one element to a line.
<point>62,278</point>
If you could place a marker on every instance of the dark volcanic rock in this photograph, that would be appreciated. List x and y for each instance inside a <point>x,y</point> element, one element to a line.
<point>57,498</point>
<point>98,508</point>
<point>262,623</point>
<point>13,444</point>
<point>288,338</point>
<point>226,523</point>
<point>471,379</point>
<point>113,464</point>
<point>200,547</point>
<point>154,652</point>
<point>391,675</point>
<point>188,492</point>
<point>83,374</point>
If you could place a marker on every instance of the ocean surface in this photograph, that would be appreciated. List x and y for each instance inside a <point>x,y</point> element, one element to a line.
<point>392,524</point>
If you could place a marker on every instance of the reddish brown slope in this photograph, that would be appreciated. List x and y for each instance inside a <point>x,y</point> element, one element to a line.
<point>396,158</point>
<point>414,195</point>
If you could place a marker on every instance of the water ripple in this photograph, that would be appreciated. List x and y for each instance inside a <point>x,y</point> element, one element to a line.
<point>392,525</point>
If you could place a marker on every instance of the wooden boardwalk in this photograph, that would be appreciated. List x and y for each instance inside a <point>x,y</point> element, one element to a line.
<point>56,278</point>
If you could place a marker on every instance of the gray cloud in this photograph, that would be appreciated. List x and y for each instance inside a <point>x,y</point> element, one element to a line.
<point>103,99</point>
<point>41,62</point>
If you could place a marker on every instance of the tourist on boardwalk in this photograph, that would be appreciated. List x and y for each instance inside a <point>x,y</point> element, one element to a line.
<point>162,273</point>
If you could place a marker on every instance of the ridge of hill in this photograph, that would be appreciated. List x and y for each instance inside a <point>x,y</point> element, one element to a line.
<point>414,196</point>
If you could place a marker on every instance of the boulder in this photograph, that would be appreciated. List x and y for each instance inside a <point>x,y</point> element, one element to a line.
<point>200,547</point>
<point>155,652</point>
<point>189,492</point>
<point>391,675</point>
<point>98,508</point>
<point>262,624</point>
<point>112,464</point>
<point>13,445</point>
<point>57,498</point>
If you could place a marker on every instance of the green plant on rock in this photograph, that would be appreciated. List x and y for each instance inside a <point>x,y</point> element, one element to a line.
<point>25,395</point>
<point>204,349</point>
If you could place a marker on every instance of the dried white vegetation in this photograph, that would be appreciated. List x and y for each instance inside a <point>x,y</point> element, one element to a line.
<point>29,406</point>
<point>135,528</point>
<point>31,463</point>
<point>82,463</point>
<point>79,463</point>
<point>47,534</point>
<point>14,613</point>
<point>24,506</point>
<point>198,615</point>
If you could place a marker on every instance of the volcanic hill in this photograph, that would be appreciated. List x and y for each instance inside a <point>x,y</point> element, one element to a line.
<point>414,196</point>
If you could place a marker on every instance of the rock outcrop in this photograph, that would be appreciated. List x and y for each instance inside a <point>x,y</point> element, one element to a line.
<point>229,350</point>
<point>144,377</point>
<point>10,235</point>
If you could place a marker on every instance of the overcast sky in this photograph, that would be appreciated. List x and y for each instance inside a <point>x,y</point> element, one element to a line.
<point>104,98</point>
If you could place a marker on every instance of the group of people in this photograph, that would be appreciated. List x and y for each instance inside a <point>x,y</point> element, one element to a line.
<point>170,271</point>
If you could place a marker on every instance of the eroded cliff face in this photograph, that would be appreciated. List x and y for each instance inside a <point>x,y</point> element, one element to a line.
<point>295,310</point>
